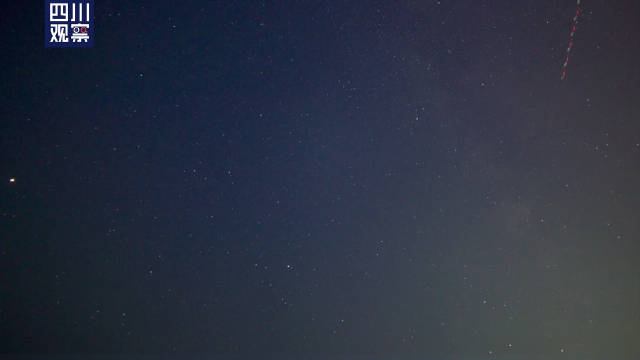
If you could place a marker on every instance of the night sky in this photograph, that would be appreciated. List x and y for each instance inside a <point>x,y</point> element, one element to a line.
<point>323,179</point>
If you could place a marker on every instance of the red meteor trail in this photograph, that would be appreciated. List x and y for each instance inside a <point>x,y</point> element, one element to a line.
<point>574,28</point>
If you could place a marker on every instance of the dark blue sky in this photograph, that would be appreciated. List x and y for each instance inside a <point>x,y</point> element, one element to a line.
<point>406,179</point>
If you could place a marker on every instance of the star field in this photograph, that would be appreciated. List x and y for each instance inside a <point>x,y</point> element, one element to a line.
<point>322,180</point>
